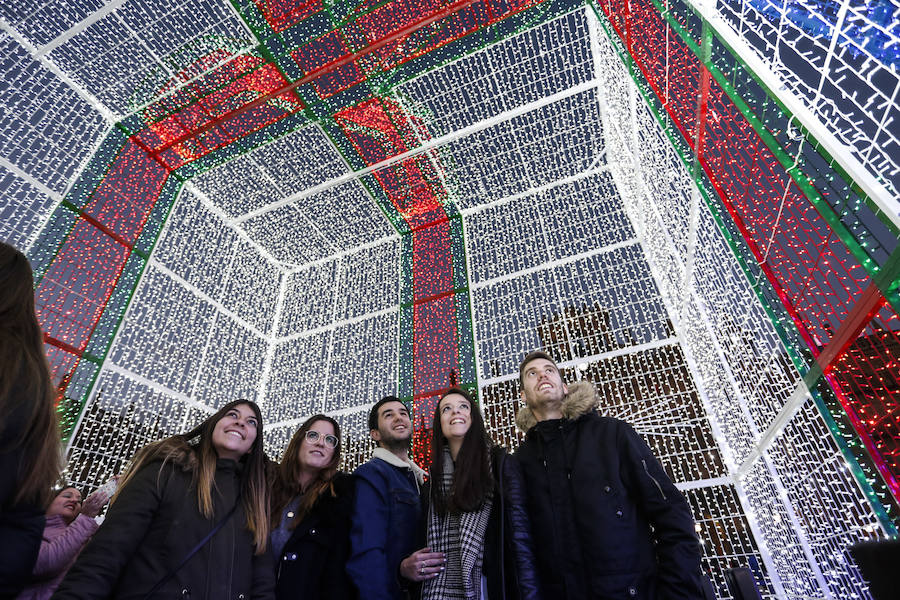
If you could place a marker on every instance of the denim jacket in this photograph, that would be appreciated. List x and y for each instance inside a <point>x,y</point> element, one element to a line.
<point>385,516</point>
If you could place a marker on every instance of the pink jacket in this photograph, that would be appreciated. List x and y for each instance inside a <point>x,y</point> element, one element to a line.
<point>59,549</point>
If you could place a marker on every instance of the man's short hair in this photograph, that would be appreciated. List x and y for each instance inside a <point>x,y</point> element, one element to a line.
<point>535,354</point>
<point>373,414</point>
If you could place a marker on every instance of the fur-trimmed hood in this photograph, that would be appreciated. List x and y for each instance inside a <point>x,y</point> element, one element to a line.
<point>582,398</point>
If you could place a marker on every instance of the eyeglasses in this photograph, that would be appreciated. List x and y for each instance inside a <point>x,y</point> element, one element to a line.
<point>312,436</point>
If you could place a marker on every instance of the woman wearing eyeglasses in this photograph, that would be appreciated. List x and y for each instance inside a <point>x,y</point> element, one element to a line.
<point>311,507</point>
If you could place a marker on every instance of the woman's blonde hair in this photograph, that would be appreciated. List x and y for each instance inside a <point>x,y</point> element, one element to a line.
<point>195,448</point>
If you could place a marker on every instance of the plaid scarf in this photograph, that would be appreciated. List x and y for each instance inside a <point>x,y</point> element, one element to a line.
<point>461,537</point>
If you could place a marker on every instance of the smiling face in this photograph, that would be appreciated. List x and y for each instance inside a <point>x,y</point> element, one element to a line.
<point>66,504</point>
<point>542,388</point>
<point>456,416</point>
<point>315,456</point>
<point>235,432</point>
<point>394,427</point>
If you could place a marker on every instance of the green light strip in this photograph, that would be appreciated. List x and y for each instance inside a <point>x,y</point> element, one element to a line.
<point>737,248</point>
<point>852,449</point>
<point>791,167</point>
<point>80,403</point>
<point>849,446</point>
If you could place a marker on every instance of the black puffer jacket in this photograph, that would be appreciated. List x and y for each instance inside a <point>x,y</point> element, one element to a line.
<point>509,555</point>
<point>314,559</point>
<point>153,525</point>
<point>607,520</point>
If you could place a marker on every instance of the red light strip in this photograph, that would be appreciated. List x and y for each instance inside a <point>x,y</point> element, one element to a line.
<point>336,63</point>
<point>101,227</point>
<point>64,346</point>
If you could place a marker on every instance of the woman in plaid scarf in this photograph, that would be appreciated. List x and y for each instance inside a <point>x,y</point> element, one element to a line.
<point>475,517</point>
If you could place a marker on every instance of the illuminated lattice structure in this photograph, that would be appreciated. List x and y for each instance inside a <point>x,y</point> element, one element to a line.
<point>313,205</point>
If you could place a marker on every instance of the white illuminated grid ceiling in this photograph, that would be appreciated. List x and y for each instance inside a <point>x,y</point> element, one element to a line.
<point>126,54</point>
<point>277,276</point>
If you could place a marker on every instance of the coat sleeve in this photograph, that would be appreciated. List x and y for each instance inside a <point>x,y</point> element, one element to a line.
<point>677,548</point>
<point>519,527</point>
<point>57,554</point>
<point>95,573</point>
<point>367,566</point>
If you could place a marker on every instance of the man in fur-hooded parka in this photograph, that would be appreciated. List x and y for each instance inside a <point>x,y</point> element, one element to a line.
<point>607,520</point>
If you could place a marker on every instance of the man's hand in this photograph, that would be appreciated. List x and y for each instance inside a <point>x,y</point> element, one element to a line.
<point>423,564</point>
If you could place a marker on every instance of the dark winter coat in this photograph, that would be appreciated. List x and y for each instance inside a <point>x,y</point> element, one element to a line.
<point>607,520</point>
<point>509,557</point>
<point>153,524</point>
<point>22,524</point>
<point>312,563</point>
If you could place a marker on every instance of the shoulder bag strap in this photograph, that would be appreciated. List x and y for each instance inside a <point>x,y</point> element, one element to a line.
<point>193,551</point>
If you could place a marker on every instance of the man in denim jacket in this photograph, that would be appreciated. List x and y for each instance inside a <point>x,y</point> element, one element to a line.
<point>387,510</point>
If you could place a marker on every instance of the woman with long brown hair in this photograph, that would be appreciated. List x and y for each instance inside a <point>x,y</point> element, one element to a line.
<point>478,536</point>
<point>190,519</point>
<point>311,506</point>
<point>30,450</point>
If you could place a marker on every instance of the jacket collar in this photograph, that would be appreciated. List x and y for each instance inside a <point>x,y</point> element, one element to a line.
<point>392,459</point>
<point>581,399</point>
<point>56,522</point>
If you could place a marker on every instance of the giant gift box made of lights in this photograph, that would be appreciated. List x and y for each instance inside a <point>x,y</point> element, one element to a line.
<point>615,185</point>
